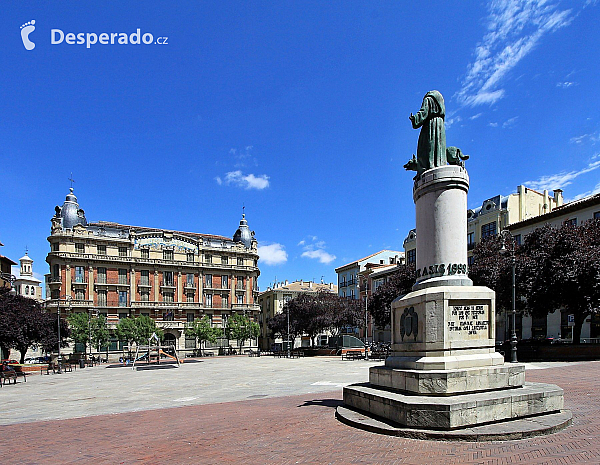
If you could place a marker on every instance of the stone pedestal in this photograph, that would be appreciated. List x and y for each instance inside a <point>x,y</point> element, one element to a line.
<point>444,372</point>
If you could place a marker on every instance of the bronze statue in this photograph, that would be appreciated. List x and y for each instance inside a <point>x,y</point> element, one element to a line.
<point>431,148</point>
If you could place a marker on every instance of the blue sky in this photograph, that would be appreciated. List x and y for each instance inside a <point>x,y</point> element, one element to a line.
<point>297,110</point>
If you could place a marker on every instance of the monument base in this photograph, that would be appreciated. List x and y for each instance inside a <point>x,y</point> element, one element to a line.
<point>458,411</point>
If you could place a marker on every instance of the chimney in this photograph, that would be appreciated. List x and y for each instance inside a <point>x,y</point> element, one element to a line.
<point>286,282</point>
<point>310,285</point>
<point>331,286</point>
<point>558,197</point>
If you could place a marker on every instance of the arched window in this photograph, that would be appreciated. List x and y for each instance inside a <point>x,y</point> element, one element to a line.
<point>26,290</point>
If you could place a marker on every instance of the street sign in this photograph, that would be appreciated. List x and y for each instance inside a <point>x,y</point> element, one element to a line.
<point>571,320</point>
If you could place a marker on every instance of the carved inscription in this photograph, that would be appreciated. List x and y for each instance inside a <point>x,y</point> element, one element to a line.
<point>468,322</point>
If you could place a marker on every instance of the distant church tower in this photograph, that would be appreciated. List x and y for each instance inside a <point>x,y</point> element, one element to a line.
<point>26,285</point>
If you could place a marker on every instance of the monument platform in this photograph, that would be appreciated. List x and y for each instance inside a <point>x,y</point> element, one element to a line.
<point>458,411</point>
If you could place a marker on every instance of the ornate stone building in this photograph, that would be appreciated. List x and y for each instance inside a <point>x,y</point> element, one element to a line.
<point>26,284</point>
<point>171,276</point>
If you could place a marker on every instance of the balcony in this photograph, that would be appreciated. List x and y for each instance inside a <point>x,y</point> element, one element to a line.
<point>471,246</point>
<point>343,284</point>
<point>351,282</point>
<point>104,283</point>
<point>144,284</point>
<point>246,307</point>
<point>189,285</point>
<point>167,285</point>
<point>172,305</point>
<point>73,303</point>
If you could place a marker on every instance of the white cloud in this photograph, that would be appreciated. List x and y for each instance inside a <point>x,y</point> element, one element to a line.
<point>595,190</point>
<point>593,137</point>
<point>323,257</point>
<point>494,125</point>
<point>450,121</point>
<point>510,122</point>
<point>515,28</point>
<point>562,179</point>
<point>475,116</point>
<point>272,254</point>
<point>316,250</point>
<point>565,84</point>
<point>246,181</point>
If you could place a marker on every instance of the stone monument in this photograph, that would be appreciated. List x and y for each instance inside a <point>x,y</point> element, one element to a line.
<point>444,373</point>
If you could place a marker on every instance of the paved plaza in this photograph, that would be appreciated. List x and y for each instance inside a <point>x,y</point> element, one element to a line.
<point>254,410</point>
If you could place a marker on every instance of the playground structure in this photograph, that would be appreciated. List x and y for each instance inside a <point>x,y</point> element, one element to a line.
<point>153,352</point>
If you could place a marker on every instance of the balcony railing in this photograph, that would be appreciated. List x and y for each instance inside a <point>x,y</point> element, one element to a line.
<point>247,307</point>
<point>111,282</point>
<point>150,261</point>
<point>144,284</point>
<point>189,285</point>
<point>54,279</point>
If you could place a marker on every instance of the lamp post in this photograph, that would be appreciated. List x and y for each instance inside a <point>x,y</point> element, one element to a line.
<point>506,235</point>
<point>289,352</point>
<point>95,312</point>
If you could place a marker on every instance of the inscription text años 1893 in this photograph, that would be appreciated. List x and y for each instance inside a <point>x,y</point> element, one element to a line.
<point>468,320</point>
<point>442,269</point>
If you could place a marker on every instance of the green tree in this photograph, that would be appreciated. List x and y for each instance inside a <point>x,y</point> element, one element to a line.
<point>126,330</point>
<point>241,328</point>
<point>202,330</point>
<point>79,325</point>
<point>99,331</point>
<point>145,326</point>
<point>398,283</point>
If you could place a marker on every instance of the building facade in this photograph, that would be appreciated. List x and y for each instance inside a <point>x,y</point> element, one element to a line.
<point>555,324</point>
<point>496,214</point>
<point>271,303</point>
<point>348,282</point>
<point>26,284</point>
<point>170,276</point>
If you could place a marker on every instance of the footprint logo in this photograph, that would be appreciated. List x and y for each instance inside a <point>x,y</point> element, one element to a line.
<point>27,29</point>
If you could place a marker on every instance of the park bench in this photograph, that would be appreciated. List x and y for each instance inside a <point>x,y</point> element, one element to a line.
<point>253,353</point>
<point>7,375</point>
<point>353,355</point>
<point>19,372</point>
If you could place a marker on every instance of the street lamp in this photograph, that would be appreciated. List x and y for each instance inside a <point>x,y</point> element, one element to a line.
<point>68,299</point>
<point>95,312</point>
<point>507,236</point>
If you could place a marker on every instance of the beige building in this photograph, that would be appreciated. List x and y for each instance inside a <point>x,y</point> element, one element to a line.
<point>496,214</point>
<point>171,276</point>
<point>555,325</point>
<point>26,284</point>
<point>272,300</point>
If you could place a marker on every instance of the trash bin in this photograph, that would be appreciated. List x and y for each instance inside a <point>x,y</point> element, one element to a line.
<point>81,363</point>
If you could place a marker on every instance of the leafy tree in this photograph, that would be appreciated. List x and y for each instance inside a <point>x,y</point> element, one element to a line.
<point>202,330</point>
<point>562,269</point>
<point>145,326</point>
<point>278,325</point>
<point>23,323</point>
<point>340,312</point>
<point>309,312</point>
<point>127,331</point>
<point>78,322</point>
<point>398,283</point>
<point>241,328</point>
<point>100,333</point>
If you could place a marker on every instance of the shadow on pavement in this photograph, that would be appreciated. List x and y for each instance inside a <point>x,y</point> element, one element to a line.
<point>331,403</point>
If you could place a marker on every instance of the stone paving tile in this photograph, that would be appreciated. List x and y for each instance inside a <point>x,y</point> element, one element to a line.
<point>297,429</point>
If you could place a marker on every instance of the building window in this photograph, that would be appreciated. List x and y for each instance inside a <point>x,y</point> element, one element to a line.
<point>145,253</point>
<point>101,249</point>
<point>167,255</point>
<point>240,299</point>
<point>26,290</point>
<point>208,281</point>
<point>571,222</point>
<point>80,248</point>
<point>470,260</point>
<point>101,298</point>
<point>122,251</point>
<point>488,230</point>
<point>79,274</point>
<point>167,278</point>
<point>123,316</point>
<point>225,301</point>
<point>208,300</point>
<point>190,317</point>
<point>79,294</point>
<point>189,297</point>
<point>596,215</point>
<point>122,276</point>
<point>168,297</point>
<point>55,294</point>
<point>517,238</point>
<point>101,275</point>
<point>145,277</point>
<point>190,342</point>
<point>168,316</point>
<point>224,282</point>
<point>411,256</point>
<point>122,298</point>
<point>190,256</point>
<point>189,279</point>
<point>208,259</point>
<point>240,261</point>
<point>240,283</point>
<point>144,296</point>
<point>146,314</point>
<point>225,260</point>
<point>55,247</point>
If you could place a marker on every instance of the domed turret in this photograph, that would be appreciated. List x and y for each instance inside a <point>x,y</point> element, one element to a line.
<point>70,213</point>
<point>243,234</point>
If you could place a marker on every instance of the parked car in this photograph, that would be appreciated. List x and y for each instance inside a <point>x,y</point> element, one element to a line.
<point>10,361</point>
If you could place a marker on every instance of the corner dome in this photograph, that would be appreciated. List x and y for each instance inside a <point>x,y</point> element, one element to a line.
<point>243,235</point>
<point>70,213</point>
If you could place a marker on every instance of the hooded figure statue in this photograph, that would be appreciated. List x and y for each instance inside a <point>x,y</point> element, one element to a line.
<point>431,149</point>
